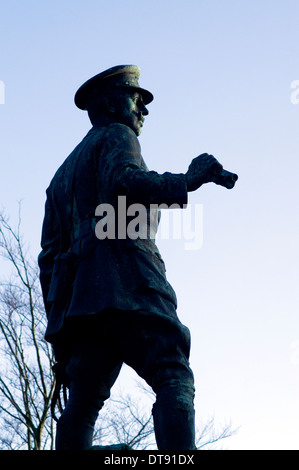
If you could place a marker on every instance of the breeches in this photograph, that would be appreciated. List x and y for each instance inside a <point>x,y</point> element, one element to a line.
<point>156,346</point>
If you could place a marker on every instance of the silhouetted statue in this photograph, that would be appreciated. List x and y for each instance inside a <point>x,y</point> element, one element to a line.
<point>106,295</point>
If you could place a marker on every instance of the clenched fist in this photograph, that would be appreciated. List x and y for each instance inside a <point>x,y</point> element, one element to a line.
<point>204,169</point>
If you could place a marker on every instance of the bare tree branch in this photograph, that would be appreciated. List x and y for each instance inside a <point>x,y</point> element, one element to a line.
<point>27,382</point>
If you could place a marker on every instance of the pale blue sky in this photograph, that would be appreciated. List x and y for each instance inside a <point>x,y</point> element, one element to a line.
<point>221,73</point>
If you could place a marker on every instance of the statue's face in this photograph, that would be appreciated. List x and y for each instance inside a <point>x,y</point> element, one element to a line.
<point>130,110</point>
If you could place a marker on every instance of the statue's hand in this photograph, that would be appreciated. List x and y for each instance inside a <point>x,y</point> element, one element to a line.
<point>204,169</point>
<point>201,170</point>
<point>225,178</point>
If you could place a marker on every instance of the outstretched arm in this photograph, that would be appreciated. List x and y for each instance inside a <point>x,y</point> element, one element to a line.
<point>169,188</point>
<point>122,172</point>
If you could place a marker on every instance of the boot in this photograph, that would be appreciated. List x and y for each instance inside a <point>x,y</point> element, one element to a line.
<point>174,423</point>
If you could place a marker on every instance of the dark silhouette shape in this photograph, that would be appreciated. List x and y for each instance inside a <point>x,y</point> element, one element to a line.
<point>107,300</point>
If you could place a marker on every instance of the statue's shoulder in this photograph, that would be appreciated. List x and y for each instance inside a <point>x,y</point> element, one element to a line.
<point>118,136</point>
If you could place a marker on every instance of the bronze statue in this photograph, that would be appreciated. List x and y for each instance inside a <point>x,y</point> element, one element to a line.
<point>107,298</point>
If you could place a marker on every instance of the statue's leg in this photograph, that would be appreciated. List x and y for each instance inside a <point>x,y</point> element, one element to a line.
<point>174,415</point>
<point>157,347</point>
<point>76,424</point>
<point>93,370</point>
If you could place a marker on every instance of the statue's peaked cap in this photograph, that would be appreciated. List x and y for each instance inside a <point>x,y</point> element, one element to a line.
<point>121,75</point>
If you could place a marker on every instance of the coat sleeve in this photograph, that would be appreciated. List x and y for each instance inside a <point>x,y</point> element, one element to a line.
<point>123,172</point>
<point>150,187</point>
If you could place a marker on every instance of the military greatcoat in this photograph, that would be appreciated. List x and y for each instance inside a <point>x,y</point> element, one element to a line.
<point>81,274</point>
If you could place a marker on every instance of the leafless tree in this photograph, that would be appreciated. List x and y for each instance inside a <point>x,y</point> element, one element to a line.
<point>126,418</point>
<point>26,380</point>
